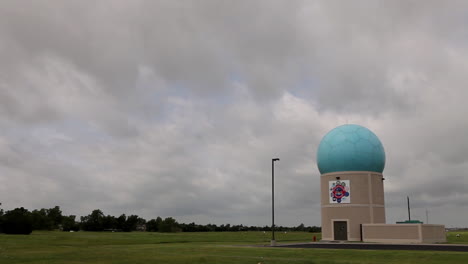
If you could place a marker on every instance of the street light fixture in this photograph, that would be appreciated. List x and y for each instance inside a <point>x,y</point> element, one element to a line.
<point>273,241</point>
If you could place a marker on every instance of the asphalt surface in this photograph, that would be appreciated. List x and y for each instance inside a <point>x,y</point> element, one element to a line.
<point>371,246</point>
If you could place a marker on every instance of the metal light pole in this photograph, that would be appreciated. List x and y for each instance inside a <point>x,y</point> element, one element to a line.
<point>273,241</point>
<point>409,210</point>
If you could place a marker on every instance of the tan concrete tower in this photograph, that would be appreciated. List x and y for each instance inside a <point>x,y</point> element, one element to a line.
<point>351,160</point>
<point>342,221</point>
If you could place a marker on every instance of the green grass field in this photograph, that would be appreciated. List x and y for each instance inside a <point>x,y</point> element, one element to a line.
<point>220,247</point>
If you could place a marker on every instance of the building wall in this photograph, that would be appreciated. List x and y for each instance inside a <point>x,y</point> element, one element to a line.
<point>403,233</point>
<point>391,233</point>
<point>367,203</point>
<point>433,234</point>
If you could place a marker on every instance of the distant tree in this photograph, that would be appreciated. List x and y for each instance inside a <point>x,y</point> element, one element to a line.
<point>141,224</point>
<point>169,224</point>
<point>192,227</point>
<point>131,223</point>
<point>211,227</point>
<point>69,223</point>
<point>121,222</point>
<point>158,221</point>
<point>1,219</point>
<point>300,227</point>
<point>48,219</point>
<point>17,221</point>
<point>55,216</point>
<point>109,222</point>
<point>94,221</point>
<point>314,229</point>
<point>41,221</point>
<point>152,225</point>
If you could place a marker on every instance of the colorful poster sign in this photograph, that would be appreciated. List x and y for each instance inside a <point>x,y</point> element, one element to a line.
<point>340,191</point>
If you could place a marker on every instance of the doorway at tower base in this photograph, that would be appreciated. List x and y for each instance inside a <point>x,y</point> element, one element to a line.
<point>403,233</point>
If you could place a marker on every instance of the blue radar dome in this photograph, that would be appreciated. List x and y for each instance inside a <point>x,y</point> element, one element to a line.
<point>350,148</point>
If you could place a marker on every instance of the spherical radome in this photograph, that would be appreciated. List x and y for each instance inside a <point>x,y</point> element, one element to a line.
<point>350,148</point>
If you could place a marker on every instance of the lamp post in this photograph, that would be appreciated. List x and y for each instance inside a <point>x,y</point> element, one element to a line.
<point>409,210</point>
<point>273,241</point>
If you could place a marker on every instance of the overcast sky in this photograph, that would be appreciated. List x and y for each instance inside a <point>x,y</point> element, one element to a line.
<point>175,108</point>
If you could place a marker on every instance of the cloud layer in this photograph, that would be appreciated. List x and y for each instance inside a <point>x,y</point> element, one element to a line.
<point>175,109</point>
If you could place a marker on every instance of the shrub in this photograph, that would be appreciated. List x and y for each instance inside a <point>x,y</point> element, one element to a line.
<point>17,221</point>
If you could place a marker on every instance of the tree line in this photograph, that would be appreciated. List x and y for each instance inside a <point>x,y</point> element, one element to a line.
<point>23,221</point>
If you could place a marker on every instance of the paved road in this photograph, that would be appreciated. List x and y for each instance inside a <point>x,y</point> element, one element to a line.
<point>370,246</point>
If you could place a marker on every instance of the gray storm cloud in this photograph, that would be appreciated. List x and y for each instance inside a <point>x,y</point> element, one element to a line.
<point>175,108</point>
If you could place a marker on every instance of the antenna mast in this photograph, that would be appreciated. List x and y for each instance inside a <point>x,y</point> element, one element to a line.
<point>409,210</point>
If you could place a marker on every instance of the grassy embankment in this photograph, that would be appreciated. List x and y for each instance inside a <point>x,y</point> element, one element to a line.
<point>220,247</point>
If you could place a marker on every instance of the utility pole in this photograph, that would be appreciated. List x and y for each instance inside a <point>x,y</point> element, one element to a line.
<point>409,211</point>
<point>427,216</point>
<point>273,241</point>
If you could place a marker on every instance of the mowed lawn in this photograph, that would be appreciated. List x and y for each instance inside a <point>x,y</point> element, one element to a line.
<point>216,247</point>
